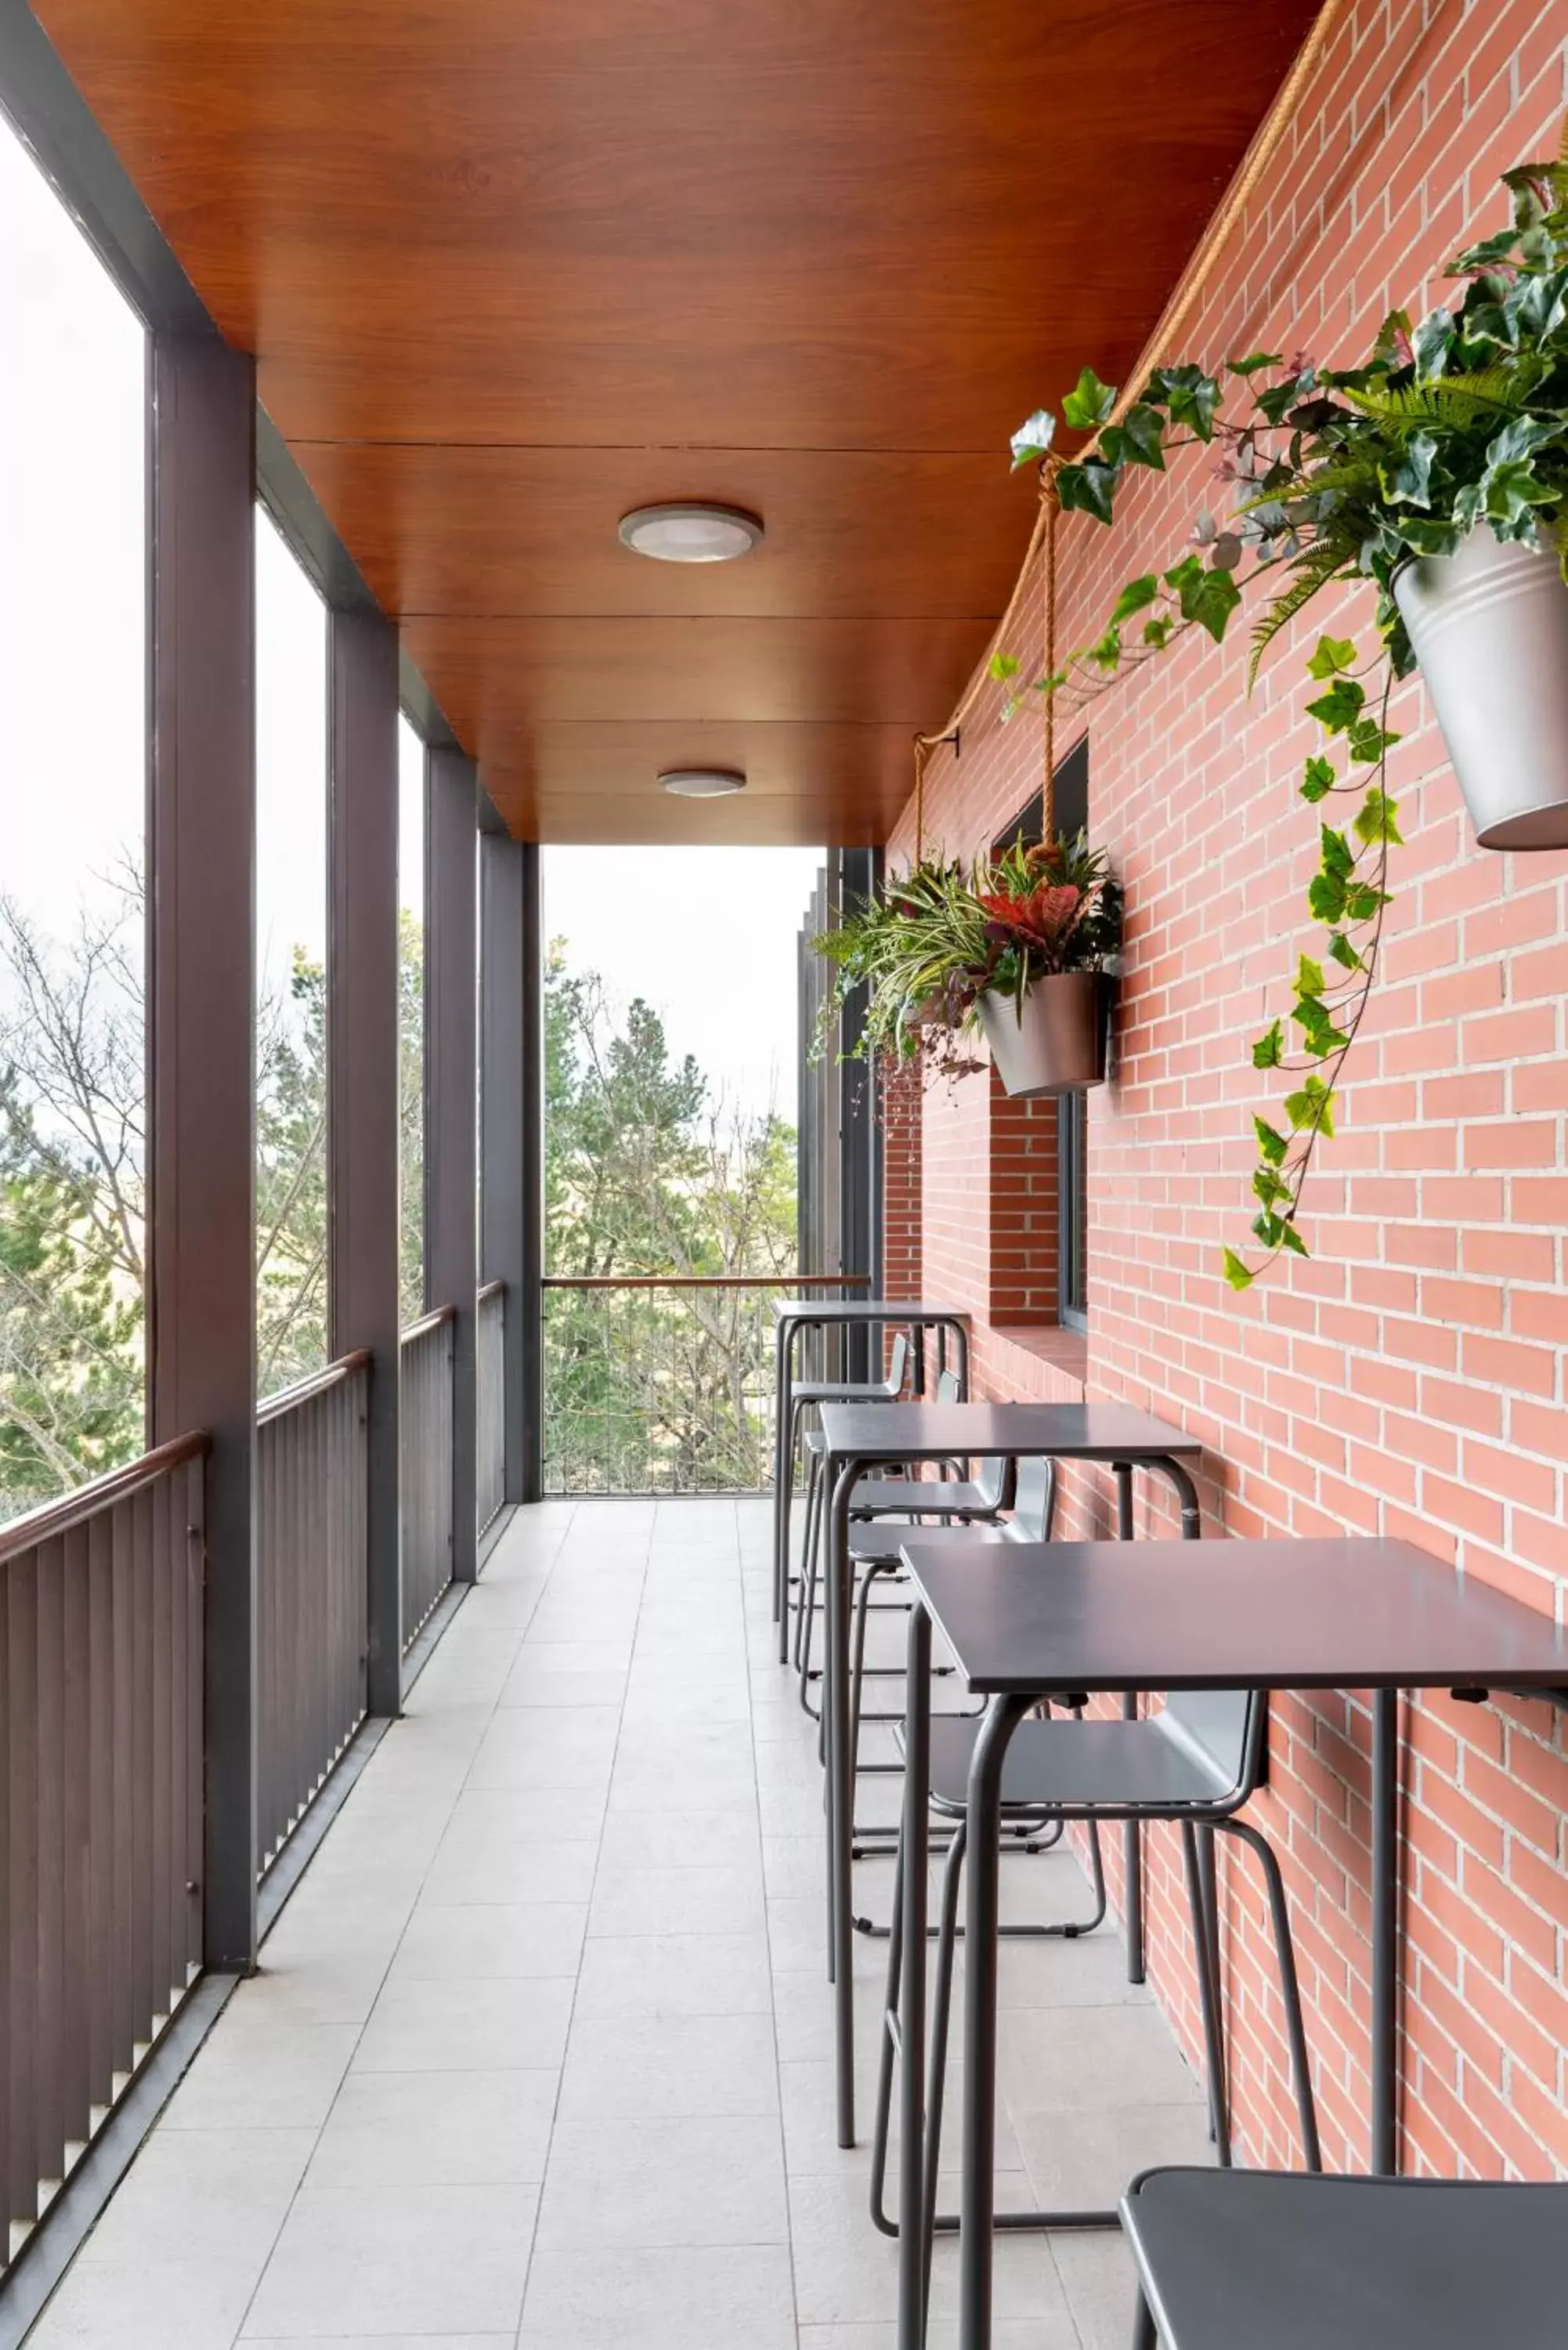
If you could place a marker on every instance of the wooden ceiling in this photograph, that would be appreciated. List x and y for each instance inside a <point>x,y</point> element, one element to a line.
<point>512,267</point>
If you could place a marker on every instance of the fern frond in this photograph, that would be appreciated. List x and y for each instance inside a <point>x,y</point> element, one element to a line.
<point>1313,570</point>
<point>1451,399</point>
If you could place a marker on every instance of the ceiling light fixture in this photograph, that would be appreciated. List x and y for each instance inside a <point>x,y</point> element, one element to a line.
<point>690,532</point>
<point>702,783</point>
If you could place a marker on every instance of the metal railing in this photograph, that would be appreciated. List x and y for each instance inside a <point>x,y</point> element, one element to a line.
<point>312,1566</point>
<point>661,1383</point>
<point>425,1446</point>
<point>490,1376</point>
<point>101,1802</point>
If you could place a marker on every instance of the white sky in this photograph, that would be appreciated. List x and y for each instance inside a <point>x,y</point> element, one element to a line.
<point>708,935</point>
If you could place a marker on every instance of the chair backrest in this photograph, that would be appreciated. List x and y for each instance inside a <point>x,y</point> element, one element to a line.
<point>994,1474</point>
<point>1033,1502</point>
<point>1222,1731</point>
<point>897,1364</point>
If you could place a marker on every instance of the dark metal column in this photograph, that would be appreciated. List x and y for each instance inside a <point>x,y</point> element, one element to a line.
<point>362,1086</point>
<point>859,1128</point>
<point>531,1315</point>
<point>509,1124</point>
<point>452,1068</point>
<point>202,1044</point>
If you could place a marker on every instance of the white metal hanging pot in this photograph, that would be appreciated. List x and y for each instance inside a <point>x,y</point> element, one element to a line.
<point>1489,626</point>
<point>1054,1040</point>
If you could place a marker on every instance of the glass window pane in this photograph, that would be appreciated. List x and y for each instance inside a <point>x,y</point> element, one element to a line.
<point>73,682</point>
<point>291,967</point>
<point>412,801</point>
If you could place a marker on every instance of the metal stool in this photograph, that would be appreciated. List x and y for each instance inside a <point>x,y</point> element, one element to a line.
<point>1195,1764</point>
<point>1243,2259</point>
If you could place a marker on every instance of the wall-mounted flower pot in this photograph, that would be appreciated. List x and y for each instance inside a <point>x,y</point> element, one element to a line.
<point>1052,1040</point>
<point>1490,629</point>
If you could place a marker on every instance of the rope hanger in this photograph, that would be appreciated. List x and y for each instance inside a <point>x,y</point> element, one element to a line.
<point>1174,319</point>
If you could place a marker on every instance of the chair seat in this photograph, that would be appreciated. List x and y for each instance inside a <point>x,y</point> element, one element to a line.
<point>1080,1765</point>
<point>872,1544</point>
<point>1249,2259</point>
<point>928,1496</point>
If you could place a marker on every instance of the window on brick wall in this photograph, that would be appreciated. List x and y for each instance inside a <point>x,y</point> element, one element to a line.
<point>1071,793</point>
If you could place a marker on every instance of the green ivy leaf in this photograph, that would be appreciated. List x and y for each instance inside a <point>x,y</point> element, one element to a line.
<point>1157,632</point>
<point>1361,901</point>
<point>1409,483</point>
<point>1205,596</point>
<point>1268,1186</point>
<point>1137,440</point>
<point>1191,396</point>
<point>1236,1272</point>
<point>1337,858</point>
<point>1344,953</point>
<point>1270,1142</point>
<point>1269,1049</point>
<point>1254,363</point>
<point>1326,898</point>
<point>1090,403</point>
<point>1309,977</point>
<point>1317,779</point>
<point>1134,597</point>
<point>1333,655</point>
<point>1003,665</point>
<point>1311,1106</point>
<point>1033,438</point>
<point>1290,1238</point>
<point>1378,819</point>
<point>1340,706</point>
<point>1107,653</point>
<point>1088,488</point>
<point>1367,742</point>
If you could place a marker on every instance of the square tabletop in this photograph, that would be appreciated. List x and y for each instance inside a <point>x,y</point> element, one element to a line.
<point>1355,1612</point>
<point>1064,1431</point>
<point>865,1309</point>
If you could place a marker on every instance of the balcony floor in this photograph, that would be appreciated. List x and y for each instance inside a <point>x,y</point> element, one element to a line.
<point>539,2052</point>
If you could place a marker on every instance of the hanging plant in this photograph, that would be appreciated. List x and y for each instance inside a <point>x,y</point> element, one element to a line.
<point>1014,946</point>
<point>1438,470</point>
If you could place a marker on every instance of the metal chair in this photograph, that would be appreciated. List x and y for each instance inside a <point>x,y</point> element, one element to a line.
<point>1275,2261</point>
<point>806,1395</point>
<point>1194,1764</point>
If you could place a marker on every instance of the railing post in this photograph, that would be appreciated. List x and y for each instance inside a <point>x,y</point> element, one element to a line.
<point>201,1039</point>
<point>451,1070</point>
<point>362,995</point>
<point>511,1114</point>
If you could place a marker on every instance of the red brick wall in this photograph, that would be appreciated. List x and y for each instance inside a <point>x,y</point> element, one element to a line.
<point>901,1134</point>
<point>1410,1378</point>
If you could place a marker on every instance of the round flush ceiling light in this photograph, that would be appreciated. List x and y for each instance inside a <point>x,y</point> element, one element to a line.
<point>701,783</point>
<point>690,532</point>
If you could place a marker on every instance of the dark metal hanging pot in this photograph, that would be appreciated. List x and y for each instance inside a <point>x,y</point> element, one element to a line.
<point>1055,1039</point>
<point>1489,626</point>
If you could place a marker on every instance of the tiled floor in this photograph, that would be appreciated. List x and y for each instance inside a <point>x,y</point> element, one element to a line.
<point>538,2059</point>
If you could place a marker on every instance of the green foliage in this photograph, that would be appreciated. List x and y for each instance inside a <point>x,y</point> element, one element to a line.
<point>942,935</point>
<point>651,1390</point>
<point>1345,474</point>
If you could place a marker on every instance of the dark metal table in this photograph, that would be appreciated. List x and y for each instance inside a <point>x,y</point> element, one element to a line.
<point>858,1437</point>
<point>794,1315</point>
<point>1356,1613</point>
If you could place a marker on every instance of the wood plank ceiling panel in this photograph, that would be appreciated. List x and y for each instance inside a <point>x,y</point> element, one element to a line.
<point>510,266</point>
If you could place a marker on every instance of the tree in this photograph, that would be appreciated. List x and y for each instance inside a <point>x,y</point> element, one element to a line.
<point>645,1173</point>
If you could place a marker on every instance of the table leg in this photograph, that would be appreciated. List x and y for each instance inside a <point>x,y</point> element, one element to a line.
<point>1132,1849</point>
<point>840,1787</point>
<point>912,2330</point>
<point>976,2206</point>
<point>783,1475</point>
<point>1384,1927</point>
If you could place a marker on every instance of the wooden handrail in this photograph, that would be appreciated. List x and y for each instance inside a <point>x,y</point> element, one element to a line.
<point>52,1519</point>
<point>304,1391</point>
<point>703,1280</point>
<point>427,1322</point>
<point>490,1289</point>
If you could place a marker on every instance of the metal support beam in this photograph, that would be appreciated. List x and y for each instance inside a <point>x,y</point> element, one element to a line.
<point>530,1317</point>
<point>362,998</point>
<point>452,1068</point>
<point>510,1054</point>
<point>202,1044</point>
<point>856,875</point>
